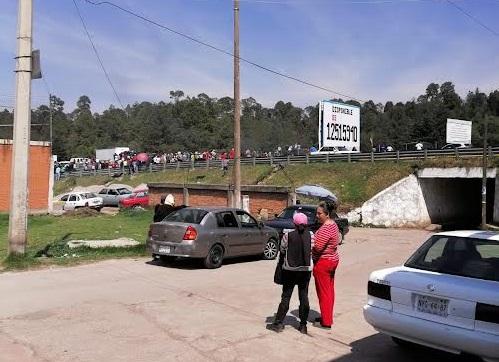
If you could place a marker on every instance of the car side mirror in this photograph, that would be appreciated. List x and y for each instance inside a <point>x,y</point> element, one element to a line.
<point>260,225</point>
<point>275,215</point>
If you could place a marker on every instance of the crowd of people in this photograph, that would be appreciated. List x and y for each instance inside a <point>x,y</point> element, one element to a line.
<point>130,162</point>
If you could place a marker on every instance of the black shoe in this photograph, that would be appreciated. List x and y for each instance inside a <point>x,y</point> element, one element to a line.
<point>320,325</point>
<point>276,327</point>
<point>303,328</point>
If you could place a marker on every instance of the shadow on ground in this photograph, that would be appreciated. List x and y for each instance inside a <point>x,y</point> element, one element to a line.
<point>379,347</point>
<point>293,320</point>
<point>193,264</point>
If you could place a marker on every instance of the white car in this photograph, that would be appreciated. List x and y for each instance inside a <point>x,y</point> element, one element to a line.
<point>76,200</point>
<point>446,296</point>
<point>333,150</point>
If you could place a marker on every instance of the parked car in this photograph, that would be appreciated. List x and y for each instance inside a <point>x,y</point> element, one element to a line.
<point>77,200</point>
<point>135,199</point>
<point>452,146</point>
<point>333,150</point>
<point>283,222</point>
<point>446,296</point>
<point>111,196</point>
<point>211,234</point>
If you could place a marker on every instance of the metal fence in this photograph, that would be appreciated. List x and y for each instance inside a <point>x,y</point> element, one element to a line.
<point>294,160</point>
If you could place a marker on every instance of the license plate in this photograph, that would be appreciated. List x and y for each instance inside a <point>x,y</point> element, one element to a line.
<point>431,305</point>
<point>165,249</point>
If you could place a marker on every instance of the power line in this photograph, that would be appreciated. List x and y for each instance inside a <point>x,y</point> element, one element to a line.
<point>374,2</point>
<point>97,55</point>
<point>476,20</point>
<point>267,69</point>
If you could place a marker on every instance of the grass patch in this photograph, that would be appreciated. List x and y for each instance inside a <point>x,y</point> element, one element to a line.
<point>353,183</point>
<point>48,235</point>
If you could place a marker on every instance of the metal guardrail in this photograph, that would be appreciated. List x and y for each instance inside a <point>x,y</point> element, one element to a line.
<point>293,160</point>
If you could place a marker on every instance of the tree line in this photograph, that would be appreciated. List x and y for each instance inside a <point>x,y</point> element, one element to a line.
<point>186,123</point>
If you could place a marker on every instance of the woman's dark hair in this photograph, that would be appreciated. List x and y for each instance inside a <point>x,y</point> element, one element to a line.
<point>329,207</point>
<point>301,228</point>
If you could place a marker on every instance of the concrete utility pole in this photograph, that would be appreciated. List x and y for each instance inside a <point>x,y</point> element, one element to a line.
<point>237,112</point>
<point>484,177</point>
<point>18,217</point>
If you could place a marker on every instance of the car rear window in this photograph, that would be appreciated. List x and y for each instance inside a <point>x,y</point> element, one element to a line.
<point>191,216</point>
<point>468,257</point>
<point>288,213</point>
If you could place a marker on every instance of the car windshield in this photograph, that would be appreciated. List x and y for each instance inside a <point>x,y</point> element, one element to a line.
<point>289,212</point>
<point>464,256</point>
<point>124,191</point>
<point>87,195</point>
<point>192,216</point>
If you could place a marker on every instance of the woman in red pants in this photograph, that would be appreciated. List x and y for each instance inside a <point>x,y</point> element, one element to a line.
<point>326,258</point>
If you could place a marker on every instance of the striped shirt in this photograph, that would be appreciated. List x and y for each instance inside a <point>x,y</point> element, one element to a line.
<point>326,242</point>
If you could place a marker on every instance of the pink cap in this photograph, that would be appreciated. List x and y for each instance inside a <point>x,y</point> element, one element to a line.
<point>300,219</point>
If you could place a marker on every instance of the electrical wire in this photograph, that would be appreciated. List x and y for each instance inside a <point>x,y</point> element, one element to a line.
<point>475,19</point>
<point>267,69</point>
<point>374,2</point>
<point>97,55</point>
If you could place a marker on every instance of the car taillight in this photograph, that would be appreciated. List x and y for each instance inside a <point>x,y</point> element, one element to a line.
<point>378,290</point>
<point>190,234</point>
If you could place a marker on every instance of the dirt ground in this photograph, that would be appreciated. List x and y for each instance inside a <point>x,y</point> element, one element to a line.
<point>138,310</point>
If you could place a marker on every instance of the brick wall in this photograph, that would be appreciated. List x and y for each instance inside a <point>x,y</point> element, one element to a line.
<point>272,202</point>
<point>38,184</point>
<point>267,198</point>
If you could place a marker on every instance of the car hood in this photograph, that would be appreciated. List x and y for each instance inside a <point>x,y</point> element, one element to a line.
<point>280,223</point>
<point>439,284</point>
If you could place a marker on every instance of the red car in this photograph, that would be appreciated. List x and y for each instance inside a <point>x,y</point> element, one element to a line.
<point>136,199</point>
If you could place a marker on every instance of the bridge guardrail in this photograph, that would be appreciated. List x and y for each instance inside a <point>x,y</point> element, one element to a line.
<point>290,160</point>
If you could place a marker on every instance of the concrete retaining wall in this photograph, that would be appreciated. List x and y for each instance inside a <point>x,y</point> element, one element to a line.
<point>400,205</point>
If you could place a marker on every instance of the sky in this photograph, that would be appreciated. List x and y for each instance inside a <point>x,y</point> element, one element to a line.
<point>380,50</point>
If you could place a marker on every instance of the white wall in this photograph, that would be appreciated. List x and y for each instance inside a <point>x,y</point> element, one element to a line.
<point>400,205</point>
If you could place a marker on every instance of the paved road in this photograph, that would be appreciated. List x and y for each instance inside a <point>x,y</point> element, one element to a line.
<point>136,310</point>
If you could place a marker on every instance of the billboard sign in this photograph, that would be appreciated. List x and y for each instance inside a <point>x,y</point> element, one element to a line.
<point>339,127</point>
<point>458,131</point>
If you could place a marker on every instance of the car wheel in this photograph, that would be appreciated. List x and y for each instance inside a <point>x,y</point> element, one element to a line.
<point>215,257</point>
<point>270,251</point>
<point>403,343</point>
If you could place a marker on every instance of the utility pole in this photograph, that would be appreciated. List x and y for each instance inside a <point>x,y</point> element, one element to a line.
<point>237,112</point>
<point>50,120</point>
<point>18,216</point>
<point>484,177</point>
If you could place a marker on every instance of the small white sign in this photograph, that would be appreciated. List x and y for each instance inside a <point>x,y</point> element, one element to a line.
<point>458,131</point>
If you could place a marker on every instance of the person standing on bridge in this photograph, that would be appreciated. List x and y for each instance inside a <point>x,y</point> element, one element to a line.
<point>326,259</point>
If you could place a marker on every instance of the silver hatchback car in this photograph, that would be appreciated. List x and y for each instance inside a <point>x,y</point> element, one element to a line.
<point>212,234</point>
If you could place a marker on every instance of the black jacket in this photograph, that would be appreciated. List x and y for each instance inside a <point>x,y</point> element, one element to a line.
<point>298,248</point>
